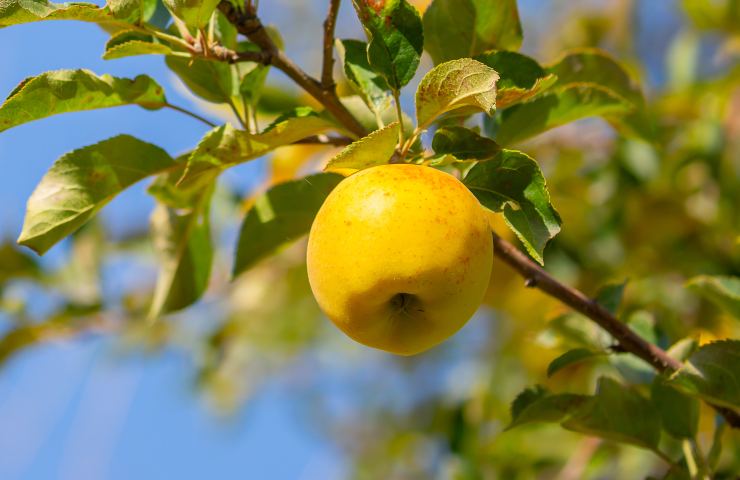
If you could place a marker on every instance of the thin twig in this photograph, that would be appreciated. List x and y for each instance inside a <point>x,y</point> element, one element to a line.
<point>183,29</point>
<point>247,23</point>
<point>537,277</point>
<point>325,140</point>
<point>691,462</point>
<point>221,53</point>
<point>238,115</point>
<point>399,114</point>
<point>327,66</point>
<point>190,114</point>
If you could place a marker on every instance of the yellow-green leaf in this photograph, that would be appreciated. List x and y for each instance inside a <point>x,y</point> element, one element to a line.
<point>182,239</point>
<point>723,291</point>
<point>375,149</point>
<point>129,43</point>
<point>213,81</point>
<point>195,13</point>
<point>522,78</point>
<point>65,91</point>
<point>463,83</point>
<point>15,12</point>
<point>226,146</point>
<point>83,181</point>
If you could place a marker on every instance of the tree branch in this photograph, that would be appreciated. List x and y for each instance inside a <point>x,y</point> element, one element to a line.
<point>628,340</point>
<point>327,67</point>
<point>230,56</point>
<point>247,23</point>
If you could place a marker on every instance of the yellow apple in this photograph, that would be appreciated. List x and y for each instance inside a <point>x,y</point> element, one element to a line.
<point>399,257</point>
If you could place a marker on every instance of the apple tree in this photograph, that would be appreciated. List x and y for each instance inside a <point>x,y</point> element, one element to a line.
<point>612,216</point>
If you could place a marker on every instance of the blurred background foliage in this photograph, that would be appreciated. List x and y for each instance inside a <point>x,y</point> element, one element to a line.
<point>651,214</point>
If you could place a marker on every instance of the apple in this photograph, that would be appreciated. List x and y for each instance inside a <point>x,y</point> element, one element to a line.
<point>399,257</point>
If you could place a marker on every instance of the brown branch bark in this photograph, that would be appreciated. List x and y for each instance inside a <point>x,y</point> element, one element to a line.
<point>628,340</point>
<point>327,66</point>
<point>230,56</point>
<point>248,24</point>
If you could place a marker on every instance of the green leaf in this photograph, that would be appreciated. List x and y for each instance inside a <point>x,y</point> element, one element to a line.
<point>527,397</point>
<point>598,69</point>
<point>252,83</point>
<point>463,83</point>
<point>182,239</point>
<point>569,358</point>
<point>464,28</point>
<point>722,291</point>
<point>679,412</point>
<point>374,149</point>
<point>15,263</point>
<point>15,12</point>
<point>618,413</point>
<point>536,405</point>
<point>463,143</point>
<point>128,43</point>
<point>610,296</point>
<point>369,85</point>
<point>551,110</point>
<point>395,38</point>
<point>65,91</point>
<point>712,373</point>
<point>522,78</point>
<point>195,13</point>
<point>572,329</point>
<point>675,472</point>
<point>682,349</point>
<point>722,15</point>
<point>220,148</point>
<point>225,146</point>
<point>591,66</point>
<point>225,31</point>
<point>513,183</point>
<point>81,182</point>
<point>281,215</point>
<point>615,412</point>
<point>165,190</point>
<point>212,81</point>
<point>132,11</point>
<point>716,449</point>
